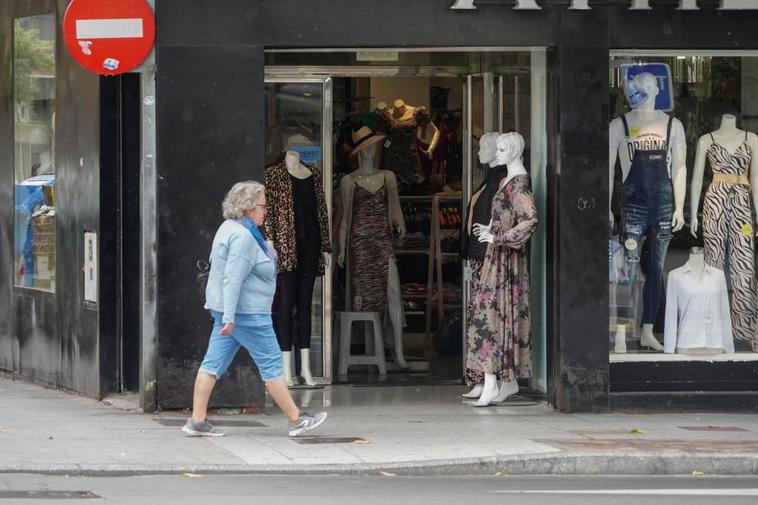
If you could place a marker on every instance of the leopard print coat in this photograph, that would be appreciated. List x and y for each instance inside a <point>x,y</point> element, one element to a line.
<point>280,219</point>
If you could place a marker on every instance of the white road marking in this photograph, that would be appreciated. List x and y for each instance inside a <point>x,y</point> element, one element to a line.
<point>648,492</point>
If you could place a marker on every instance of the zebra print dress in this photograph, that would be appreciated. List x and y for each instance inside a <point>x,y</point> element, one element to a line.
<point>370,249</point>
<point>729,236</point>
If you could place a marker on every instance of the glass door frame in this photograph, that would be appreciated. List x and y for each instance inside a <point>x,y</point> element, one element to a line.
<point>326,173</point>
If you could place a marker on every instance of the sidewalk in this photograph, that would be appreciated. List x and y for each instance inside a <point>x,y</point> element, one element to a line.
<point>399,430</point>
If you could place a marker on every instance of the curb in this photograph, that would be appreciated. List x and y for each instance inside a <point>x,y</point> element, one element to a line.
<point>550,464</point>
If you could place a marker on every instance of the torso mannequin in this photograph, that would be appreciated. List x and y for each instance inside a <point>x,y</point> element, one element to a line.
<point>294,167</point>
<point>697,309</point>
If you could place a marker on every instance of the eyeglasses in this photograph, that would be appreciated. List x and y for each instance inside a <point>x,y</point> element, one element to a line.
<point>260,205</point>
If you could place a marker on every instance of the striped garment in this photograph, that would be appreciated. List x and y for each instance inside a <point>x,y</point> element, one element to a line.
<point>370,249</point>
<point>728,233</point>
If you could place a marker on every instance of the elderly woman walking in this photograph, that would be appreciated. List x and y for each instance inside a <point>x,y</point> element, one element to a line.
<point>240,290</point>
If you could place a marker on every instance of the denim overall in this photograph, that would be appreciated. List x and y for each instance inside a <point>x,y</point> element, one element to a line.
<point>648,202</point>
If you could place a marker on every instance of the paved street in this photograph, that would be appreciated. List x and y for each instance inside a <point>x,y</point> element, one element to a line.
<point>401,430</point>
<point>368,490</point>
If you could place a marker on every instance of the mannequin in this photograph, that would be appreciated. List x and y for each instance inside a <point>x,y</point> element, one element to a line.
<point>298,225</point>
<point>407,126</point>
<point>487,156</point>
<point>697,309</point>
<point>372,211</point>
<point>499,322</point>
<point>727,216</point>
<point>652,150</point>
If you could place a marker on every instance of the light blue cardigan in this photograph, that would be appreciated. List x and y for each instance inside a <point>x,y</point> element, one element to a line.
<point>242,278</point>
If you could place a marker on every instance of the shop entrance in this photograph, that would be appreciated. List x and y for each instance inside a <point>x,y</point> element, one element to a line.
<point>427,110</point>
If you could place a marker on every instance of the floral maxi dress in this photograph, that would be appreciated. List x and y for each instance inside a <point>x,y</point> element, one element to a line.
<point>498,334</point>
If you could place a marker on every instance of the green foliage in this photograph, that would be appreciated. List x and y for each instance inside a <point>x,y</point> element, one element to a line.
<point>32,57</point>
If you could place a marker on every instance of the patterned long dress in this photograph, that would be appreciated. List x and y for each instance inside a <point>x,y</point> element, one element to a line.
<point>370,249</point>
<point>499,322</point>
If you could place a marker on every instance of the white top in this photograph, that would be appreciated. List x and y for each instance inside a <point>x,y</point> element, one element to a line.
<point>697,311</point>
<point>645,134</point>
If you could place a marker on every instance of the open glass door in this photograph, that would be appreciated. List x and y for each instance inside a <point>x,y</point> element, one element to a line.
<point>299,118</point>
<point>513,101</point>
<point>482,100</point>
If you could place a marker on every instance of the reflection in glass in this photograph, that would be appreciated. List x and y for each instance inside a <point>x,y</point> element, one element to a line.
<point>34,151</point>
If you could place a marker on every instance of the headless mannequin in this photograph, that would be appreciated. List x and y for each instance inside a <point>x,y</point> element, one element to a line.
<point>372,179</point>
<point>697,263</point>
<point>300,171</point>
<point>493,390</point>
<point>645,112</point>
<point>428,133</point>
<point>731,137</point>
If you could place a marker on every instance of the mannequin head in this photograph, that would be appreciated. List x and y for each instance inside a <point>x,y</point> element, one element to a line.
<point>488,147</point>
<point>399,104</point>
<point>641,91</point>
<point>510,147</point>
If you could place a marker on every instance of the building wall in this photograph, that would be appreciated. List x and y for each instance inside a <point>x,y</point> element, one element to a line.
<point>210,135</point>
<point>52,338</point>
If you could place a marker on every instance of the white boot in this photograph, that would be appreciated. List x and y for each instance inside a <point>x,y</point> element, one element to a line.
<point>489,391</point>
<point>647,339</point>
<point>305,367</point>
<point>287,366</point>
<point>476,392</point>
<point>619,341</point>
<point>505,389</point>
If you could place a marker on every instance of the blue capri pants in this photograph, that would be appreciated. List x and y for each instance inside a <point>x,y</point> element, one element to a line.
<point>254,332</point>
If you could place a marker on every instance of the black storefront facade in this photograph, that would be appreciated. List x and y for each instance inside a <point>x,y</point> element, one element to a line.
<point>151,193</point>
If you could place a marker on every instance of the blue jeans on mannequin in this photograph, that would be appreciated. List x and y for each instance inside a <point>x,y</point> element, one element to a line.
<point>648,204</point>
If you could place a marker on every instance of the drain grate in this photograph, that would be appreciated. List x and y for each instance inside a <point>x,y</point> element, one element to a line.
<point>328,440</point>
<point>47,494</point>
<point>711,428</point>
<point>230,423</point>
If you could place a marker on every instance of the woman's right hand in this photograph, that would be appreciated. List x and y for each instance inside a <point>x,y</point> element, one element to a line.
<point>694,225</point>
<point>341,259</point>
<point>227,329</point>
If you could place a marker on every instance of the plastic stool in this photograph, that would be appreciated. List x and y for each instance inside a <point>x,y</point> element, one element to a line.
<point>346,336</point>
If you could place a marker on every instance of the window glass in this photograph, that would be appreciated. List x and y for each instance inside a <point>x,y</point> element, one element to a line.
<point>34,151</point>
<point>682,236</point>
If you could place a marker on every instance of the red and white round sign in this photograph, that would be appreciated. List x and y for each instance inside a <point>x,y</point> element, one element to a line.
<point>109,37</point>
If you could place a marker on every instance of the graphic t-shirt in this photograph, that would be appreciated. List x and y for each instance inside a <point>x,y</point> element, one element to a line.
<point>646,135</point>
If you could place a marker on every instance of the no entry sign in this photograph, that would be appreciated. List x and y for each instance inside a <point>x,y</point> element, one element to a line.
<point>109,37</point>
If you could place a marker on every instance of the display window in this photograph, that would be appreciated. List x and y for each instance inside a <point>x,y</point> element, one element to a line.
<point>34,152</point>
<point>683,159</point>
<point>390,140</point>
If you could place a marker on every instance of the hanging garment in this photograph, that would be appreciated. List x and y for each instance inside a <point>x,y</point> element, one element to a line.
<point>647,209</point>
<point>401,155</point>
<point>729,236</point>
<point>480,211</point>
<point>499,321</point>
<point>280,219</point>
<point>370,248</point>
<point>294,289</point>
<point>697,311</point>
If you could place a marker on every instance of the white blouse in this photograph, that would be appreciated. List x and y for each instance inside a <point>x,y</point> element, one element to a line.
<point>697,311</point>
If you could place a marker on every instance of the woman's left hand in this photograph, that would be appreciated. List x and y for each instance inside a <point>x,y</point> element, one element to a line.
<point>227,329</point>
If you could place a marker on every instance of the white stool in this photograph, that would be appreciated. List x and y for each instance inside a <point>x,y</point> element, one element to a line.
<point>346,336</point>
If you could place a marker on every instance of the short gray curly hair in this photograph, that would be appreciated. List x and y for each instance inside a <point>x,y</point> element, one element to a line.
<point>243,196</point>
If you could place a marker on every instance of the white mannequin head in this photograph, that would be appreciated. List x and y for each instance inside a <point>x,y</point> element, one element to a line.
<point>510,147</point>
<point>641,91</point>
<point>488,147</point>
